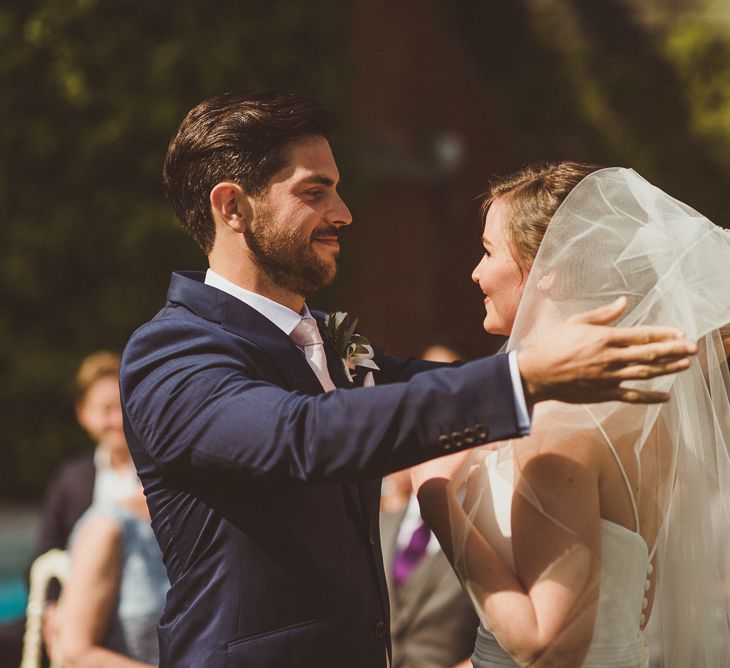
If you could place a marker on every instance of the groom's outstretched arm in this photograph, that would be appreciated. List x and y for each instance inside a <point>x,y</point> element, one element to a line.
<point>197,398</point>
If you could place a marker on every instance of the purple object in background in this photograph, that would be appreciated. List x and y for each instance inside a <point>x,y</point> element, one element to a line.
<point>408,558</point>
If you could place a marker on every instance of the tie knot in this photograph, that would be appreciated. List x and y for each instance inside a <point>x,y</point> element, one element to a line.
<point>306,333</point>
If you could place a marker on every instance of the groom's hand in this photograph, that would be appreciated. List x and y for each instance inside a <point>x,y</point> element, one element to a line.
<point>585,360</point>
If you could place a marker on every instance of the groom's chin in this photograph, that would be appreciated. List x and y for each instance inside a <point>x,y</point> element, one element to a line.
<point>323,277</point>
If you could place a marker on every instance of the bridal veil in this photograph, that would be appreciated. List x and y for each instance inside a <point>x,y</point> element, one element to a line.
<point>616,234</point>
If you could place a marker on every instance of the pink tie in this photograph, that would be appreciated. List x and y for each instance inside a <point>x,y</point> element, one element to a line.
<point>306,335</point>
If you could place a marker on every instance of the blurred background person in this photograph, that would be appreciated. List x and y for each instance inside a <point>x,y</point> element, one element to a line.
<point>115,590</point>
<point>395,492</point>
<point>433,623</point>
<point>104,475</point>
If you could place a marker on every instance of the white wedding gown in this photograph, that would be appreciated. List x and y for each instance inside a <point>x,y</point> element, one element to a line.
<point>617,638</point>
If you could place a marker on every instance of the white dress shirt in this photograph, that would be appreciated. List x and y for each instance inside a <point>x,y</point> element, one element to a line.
<point>112,485</point>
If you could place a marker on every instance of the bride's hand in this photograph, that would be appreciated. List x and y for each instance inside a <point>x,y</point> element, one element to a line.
<point>442,469</point>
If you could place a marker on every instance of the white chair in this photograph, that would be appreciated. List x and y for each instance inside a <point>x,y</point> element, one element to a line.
<point>48,566</point>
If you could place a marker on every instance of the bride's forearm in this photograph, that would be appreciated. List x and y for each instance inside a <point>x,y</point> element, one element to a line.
<point>525,627</point>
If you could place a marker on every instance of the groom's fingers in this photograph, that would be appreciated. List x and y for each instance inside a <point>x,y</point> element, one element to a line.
<point>645,371</point>
<point>658,352</point>
<point>645,335</point>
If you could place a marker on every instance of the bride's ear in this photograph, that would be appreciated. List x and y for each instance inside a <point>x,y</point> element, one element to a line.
<point>546,281</point>
<point>230,206</point>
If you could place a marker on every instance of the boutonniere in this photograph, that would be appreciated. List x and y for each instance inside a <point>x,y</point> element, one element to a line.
<point>354,349</point>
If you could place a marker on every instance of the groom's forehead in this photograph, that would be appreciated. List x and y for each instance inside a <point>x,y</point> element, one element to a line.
<point>309,161</point>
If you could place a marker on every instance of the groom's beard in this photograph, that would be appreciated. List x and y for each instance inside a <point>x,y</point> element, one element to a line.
<point>286,257</point>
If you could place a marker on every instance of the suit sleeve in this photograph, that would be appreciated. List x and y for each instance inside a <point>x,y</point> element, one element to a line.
<point>192,403</point>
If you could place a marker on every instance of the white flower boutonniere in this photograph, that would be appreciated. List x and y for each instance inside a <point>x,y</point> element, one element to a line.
<point>354,349</point>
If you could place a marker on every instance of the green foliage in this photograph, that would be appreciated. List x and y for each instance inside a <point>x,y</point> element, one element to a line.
<point>92,91</point>
<point>601,82</point>
<point>701,54</point>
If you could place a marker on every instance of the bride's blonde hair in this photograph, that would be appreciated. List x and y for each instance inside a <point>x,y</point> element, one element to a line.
<point>533,195</point>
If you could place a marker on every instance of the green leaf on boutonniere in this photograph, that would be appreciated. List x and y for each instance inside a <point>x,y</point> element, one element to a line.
<point>340,327</point>
<point>354,349</point>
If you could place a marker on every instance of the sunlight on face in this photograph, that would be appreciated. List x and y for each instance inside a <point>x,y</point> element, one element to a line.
<point>294,234</point>
<point>498,275</point>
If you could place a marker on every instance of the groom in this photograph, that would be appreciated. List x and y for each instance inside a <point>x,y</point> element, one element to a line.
<point>260,458</point>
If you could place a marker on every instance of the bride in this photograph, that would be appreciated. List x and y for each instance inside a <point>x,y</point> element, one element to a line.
<point>607,518</point>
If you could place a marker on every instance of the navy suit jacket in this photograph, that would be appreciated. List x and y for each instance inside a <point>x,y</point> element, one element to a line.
<point>264,490</point>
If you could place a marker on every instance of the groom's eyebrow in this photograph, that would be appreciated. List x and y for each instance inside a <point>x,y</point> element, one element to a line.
<point>321,180</point>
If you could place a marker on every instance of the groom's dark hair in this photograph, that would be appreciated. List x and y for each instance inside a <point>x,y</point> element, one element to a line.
<point>238,137</point>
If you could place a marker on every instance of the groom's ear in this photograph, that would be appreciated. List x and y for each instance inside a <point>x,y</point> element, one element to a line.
<point>230,206</point>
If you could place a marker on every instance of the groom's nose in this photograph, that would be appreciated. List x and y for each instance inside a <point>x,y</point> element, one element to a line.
<point>339,214</point>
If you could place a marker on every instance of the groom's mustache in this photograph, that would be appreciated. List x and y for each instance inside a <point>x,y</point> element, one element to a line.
<point>330,232</point>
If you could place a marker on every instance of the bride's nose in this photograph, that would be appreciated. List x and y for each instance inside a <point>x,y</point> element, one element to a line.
<point>475,272</point>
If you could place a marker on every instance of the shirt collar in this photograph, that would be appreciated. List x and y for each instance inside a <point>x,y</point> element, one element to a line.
<point>282,316</point>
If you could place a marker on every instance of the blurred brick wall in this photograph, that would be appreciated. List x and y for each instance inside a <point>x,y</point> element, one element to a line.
<point>431,134</point>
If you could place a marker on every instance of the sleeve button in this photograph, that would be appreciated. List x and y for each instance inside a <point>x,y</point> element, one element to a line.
<point>444,442</point>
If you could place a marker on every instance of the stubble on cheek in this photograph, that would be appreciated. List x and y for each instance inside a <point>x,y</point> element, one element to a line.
<point>289,259</point>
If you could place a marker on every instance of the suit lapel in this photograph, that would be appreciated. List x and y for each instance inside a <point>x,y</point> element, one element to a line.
<point>233,315</point>
<point>286,356</point>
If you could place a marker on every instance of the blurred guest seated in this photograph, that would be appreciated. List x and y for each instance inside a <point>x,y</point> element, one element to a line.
<point>103,475</point>
<point>115,589</point>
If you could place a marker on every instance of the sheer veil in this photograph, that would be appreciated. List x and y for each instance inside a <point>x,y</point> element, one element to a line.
<point>617,234</point>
